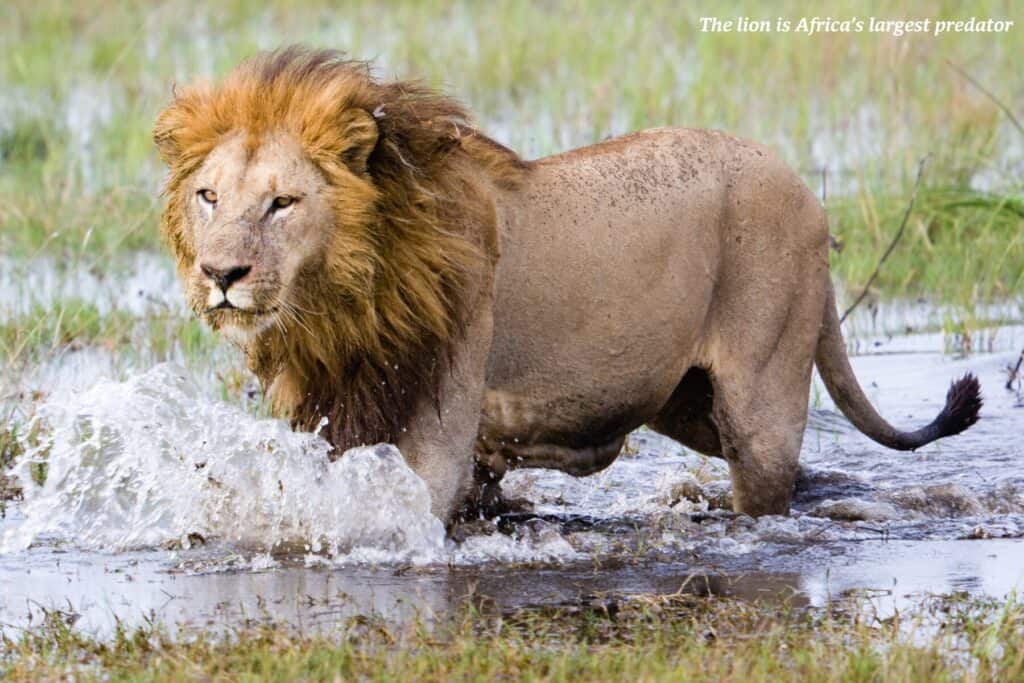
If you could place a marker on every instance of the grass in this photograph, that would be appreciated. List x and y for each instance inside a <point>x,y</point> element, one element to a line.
<point>72,324</point>
<point>853,113</point>
<point>79,176</point>
<point>679,637</point>
<point>961,246</point>
<point>11,448</point>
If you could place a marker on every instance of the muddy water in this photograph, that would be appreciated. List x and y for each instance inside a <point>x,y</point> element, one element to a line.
<point>162,501</point>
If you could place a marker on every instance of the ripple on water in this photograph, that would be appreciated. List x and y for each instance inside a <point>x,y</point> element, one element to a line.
<point>154,462</point>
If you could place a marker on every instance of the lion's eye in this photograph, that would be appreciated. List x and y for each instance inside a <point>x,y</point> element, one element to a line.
<point>282,202</point>
<point>208,196</point>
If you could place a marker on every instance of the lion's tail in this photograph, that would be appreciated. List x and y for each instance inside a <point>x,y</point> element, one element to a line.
<point>963,401</point>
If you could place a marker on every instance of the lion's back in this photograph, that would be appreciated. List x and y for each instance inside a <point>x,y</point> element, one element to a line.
<point>611,256</point>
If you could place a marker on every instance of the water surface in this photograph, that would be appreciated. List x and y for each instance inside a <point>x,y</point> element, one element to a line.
<point>162,501</point>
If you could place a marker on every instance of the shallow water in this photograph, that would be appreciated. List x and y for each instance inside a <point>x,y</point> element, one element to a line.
<point>138,284</point>
<point>162,501</point>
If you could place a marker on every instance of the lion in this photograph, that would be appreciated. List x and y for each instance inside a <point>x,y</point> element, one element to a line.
<point>394,275</point>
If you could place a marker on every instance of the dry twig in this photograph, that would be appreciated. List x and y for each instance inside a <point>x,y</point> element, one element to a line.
<point>895,240</point>
<point>1014,372</point>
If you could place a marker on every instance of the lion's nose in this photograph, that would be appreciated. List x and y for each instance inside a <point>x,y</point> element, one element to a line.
<point>225,277</point>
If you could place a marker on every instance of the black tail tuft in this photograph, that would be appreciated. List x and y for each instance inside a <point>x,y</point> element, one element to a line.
<point>963,402</point>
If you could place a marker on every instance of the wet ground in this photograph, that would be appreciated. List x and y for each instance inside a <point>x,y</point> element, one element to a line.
<point>164,502</point>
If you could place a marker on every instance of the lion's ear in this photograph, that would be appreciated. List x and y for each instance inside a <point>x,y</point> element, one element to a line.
<point>360,134</point>
<point>164,135</point>
<point>185,127</point>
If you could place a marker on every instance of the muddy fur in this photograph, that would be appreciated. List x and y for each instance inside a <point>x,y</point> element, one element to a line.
<point>483,312</point>
<point>378,313</point>
<point>963,405</point>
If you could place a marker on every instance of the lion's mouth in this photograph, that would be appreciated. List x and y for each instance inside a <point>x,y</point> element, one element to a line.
<point>224,305</point>
<point>226,312</point>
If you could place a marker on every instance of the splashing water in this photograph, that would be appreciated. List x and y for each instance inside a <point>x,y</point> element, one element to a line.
<point>156,462</point>
<point>153,462</point>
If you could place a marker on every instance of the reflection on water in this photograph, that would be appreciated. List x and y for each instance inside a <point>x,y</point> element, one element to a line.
<point>94,588</point>
<point>164,501</point>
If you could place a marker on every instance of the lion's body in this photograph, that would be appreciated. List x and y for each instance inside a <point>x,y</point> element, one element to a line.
<point>473,307</point>
<point>626,264</point>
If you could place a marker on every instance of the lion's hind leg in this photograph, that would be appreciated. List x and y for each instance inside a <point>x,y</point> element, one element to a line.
<point>761,390</point>
<point>761,432</point>
<point>750,406</point>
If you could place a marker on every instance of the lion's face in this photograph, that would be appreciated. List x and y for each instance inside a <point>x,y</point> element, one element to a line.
<point>328,224</point>
<point>257,217</point>
<point>335,227</point>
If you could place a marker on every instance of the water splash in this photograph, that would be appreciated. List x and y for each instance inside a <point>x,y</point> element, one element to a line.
<point>154,462</point>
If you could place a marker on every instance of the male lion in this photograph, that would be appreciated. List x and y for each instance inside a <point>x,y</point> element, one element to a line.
<point>389,268</point>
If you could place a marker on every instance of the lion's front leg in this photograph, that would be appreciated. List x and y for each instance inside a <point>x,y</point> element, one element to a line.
<point>438,444</point>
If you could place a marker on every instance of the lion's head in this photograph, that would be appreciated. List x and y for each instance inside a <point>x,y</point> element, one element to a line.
<point>255,218</point>
<point>330,224</point>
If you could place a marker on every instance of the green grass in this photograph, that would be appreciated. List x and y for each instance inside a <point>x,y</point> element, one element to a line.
<point>72,324</point>
<point>79,186</point>
<point>11,448</point>
<point>651,638</point>
<point>79,175</point>
<point>960,246</point>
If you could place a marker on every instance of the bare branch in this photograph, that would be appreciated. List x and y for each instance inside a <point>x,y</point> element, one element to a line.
<point>1014,372</point>
<point>895,240</point>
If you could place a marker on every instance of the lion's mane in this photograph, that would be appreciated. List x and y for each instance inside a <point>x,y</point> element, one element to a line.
<point>374,321</point>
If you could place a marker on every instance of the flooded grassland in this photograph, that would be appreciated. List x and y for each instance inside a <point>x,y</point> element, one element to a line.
<point>149,484</point>
<point>146,492</point>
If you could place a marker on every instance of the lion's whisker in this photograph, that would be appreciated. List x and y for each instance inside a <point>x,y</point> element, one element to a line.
<point>293,315</point>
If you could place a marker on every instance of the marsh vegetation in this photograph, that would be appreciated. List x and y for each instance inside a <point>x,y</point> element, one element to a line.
<point>670,638</point>
<point>86,293</point>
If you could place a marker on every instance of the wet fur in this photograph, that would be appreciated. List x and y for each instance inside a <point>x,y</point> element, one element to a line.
<point>375,319</point>
<point>683,277</point>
